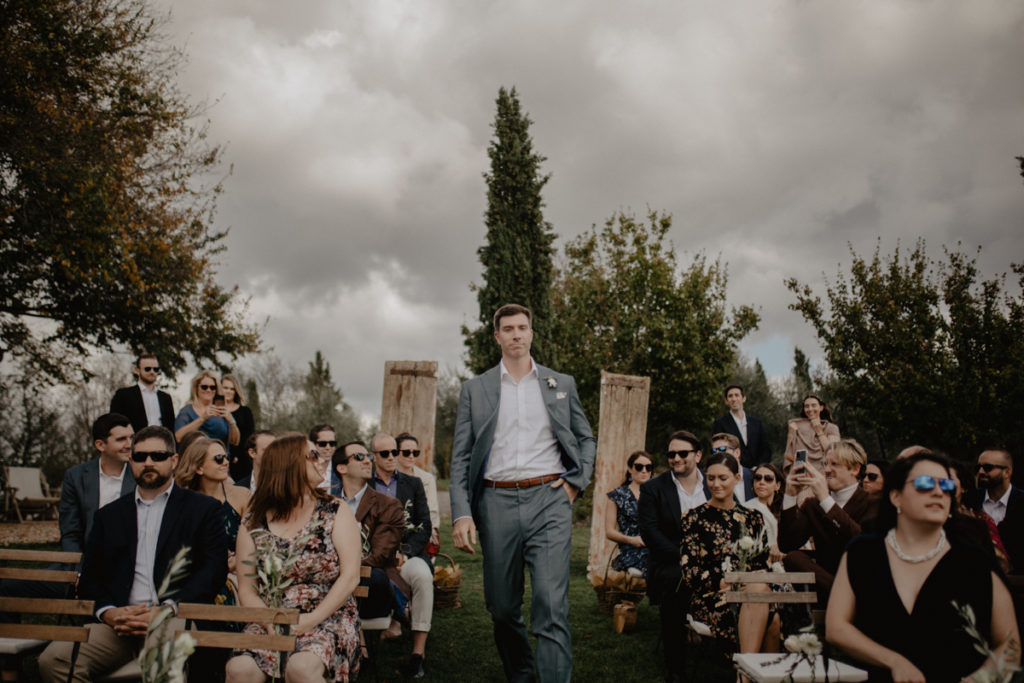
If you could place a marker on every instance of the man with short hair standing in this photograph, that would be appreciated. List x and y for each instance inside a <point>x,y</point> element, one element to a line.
<point>143,403</point>
<point>522,452</point>
<point>754,447</point>
<point>663,500</point>
<point>128,552</point>
<point>1003,502</point>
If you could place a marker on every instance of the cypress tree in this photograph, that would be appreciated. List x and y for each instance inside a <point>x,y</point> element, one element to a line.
<point>516,255</point>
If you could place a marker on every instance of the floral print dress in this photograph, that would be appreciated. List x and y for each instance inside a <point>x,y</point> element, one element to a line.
<point>628,518</point>
<point>710,536</point>
<point>335,640</point>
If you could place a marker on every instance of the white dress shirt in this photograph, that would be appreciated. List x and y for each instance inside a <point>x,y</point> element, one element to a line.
<point>110,487</point>
<point>152,403</point>
<point>996,509</point>
<point>149,515</point>
<point>354,501</point>
<point>429,488</point>
<point>741,424</point>
<point>524,445</point>
<point>691,500</point>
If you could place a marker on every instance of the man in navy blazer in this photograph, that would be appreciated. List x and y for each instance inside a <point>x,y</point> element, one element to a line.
<point>132,402</point>
<point>662,502</point>
<point>522,452</point>
<point>754,448</point>
<point>1003,502</point>
<point>127,554</point>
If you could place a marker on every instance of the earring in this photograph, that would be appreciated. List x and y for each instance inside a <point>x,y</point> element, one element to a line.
<point>898,511</point>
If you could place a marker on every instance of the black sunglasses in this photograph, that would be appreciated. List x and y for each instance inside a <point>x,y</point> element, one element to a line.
<point>769,478</point>
<point>679,454</point>
<point>407,453</point>
<point>393,453</point>
<point>220,458</point>
<point>313,454</point>
<point>208,387</point>
<point>988,467</point>
<point>156,456</point>
<point>872,476</point>
<point>327,444</point>
<point>640,468</point>
<point>151,369</point>
<point>356,456</point>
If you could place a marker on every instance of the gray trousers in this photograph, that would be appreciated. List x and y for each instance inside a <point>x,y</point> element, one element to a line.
<point>528,528</point>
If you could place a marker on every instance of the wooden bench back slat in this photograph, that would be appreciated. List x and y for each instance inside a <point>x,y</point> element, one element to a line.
<point>47,606</point>
<point>241,641</point>
<point>769,577</point>
<point>361,592</point>
<point>78,634</point>
<point>51,575</point>
<point>364,571</point>
<point>791,598</point>
<point>237,613</point>
<point>40,556</point>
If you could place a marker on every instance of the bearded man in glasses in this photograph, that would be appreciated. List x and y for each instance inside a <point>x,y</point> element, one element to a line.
<point>127,554</point>
<point>1003,502</point>
<point>143,403</point>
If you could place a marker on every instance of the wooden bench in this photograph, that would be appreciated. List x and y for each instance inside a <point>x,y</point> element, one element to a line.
<point>18,638</point>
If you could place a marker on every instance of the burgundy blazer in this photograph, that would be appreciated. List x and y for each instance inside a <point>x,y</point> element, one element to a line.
<point>831,531</point>
<point>384,520</point>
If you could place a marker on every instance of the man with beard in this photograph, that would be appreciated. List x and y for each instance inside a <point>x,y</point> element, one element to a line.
<point>128,553</point>
<point>1003,502</point>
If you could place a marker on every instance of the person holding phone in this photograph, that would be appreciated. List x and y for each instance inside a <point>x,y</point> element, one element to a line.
<point>828,508</point>
<point>206,413</point>
<point>812,432</point>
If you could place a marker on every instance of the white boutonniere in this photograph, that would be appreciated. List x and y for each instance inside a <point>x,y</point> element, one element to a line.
<point>552,383</point>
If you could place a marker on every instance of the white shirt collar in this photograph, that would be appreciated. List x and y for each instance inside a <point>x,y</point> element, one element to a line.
<point>842,496</point>
<point>1004,500</point>
<point>143,387</point>
<point>505,373</point>
<point>139,500</point>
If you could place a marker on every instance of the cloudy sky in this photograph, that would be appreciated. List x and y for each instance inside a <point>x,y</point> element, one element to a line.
<point>776,133</point>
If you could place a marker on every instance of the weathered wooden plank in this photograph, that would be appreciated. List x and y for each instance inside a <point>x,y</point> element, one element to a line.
<point>409,404</point>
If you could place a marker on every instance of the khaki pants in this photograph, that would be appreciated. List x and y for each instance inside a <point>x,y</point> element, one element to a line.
<point>420,577</point>
<point>104,653</point>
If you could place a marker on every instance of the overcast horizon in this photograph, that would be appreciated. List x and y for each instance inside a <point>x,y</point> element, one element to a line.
<point>775,133</point>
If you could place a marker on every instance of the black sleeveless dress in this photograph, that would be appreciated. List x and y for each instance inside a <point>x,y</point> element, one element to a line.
<point>932,635</point>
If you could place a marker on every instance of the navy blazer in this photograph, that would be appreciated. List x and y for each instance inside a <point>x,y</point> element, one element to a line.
<point>1011,529</point>
<point>755,450</point>
<point>127,401</point>
<point>190,519</point>
<point>659,513</point>
<point>414,499</point>
<point>79,501</point>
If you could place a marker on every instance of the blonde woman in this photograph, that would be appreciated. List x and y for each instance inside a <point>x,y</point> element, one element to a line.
<point>234,401</point>
<point>203,414</point>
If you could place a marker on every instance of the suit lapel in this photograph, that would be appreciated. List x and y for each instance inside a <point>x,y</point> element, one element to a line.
<point>168,522</point>
<point>365,503</point>
<point>91,485</point>
<point>672,494</point>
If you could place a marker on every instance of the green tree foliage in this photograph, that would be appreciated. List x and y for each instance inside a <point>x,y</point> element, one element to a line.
<point>449,385</point>
<point>922,351</point>
<point>517,252</point>
<point>621,302</point>
<point>106,201</point>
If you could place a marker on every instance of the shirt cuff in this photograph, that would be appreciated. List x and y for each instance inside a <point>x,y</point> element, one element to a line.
<point>462,517</point>
<point>101,610</point>
<point>827,504</point>
<point>788,501</point>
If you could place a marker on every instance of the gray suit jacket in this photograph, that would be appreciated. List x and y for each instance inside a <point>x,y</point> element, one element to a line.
<point>79,501</point>
<point>474,434</point>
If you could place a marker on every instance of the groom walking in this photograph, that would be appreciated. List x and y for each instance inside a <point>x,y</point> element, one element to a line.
<point>522,452</point>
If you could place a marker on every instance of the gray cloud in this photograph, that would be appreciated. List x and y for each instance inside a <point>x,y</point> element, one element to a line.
<point>776,133</point>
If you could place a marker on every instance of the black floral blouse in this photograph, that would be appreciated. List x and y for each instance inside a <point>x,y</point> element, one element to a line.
<point>628,518</point>
<point>710,536</point>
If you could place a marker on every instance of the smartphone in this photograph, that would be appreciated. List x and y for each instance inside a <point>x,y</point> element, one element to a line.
<point>801,455</point>
<point>218,400</point>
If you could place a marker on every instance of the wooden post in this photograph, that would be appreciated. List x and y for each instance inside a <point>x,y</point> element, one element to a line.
<point>410,402</point>
<point>622,429</point>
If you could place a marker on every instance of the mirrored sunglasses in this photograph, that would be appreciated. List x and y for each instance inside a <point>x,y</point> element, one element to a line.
<point>926,483</point>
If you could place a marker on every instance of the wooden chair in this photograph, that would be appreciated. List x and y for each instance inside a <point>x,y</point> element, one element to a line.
<point>28,492</point>
<point>16,639</point>
<point>772,578</point>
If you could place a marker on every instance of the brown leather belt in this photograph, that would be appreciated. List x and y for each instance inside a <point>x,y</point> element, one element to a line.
<point>522,483</point>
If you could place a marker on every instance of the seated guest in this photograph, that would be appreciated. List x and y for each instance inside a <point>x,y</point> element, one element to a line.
<point>257,443</point>
<point>893,606</point>
<point>831,510</point>
<point>414,564</point>
<point>127,554</point>
<point>814,431</point>
<point>663,499</point>
<point>730,445</point>
<point>1002,501</point>
<point>299,520</point>
<point>325,439</point>
<point>709,536</point>
<point>383,522</point>
<point>204,468</point>
<point>87,488</point>
<point>975,525</point>
<point>622,522</point>
<point>874,476</point>
<point>408,451</point>
<point>202,414</point>
<point>768,489</point>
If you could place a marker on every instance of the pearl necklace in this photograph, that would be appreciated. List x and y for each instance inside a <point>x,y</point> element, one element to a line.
<point>890,538</point>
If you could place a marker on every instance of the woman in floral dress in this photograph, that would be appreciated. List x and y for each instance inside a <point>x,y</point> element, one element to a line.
<point>622,523</point>
<point>721,536</point>
<point>299,533</point>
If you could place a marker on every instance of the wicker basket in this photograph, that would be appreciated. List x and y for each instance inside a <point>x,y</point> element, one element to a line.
<point>608,597</point>
<point>447,597</point>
